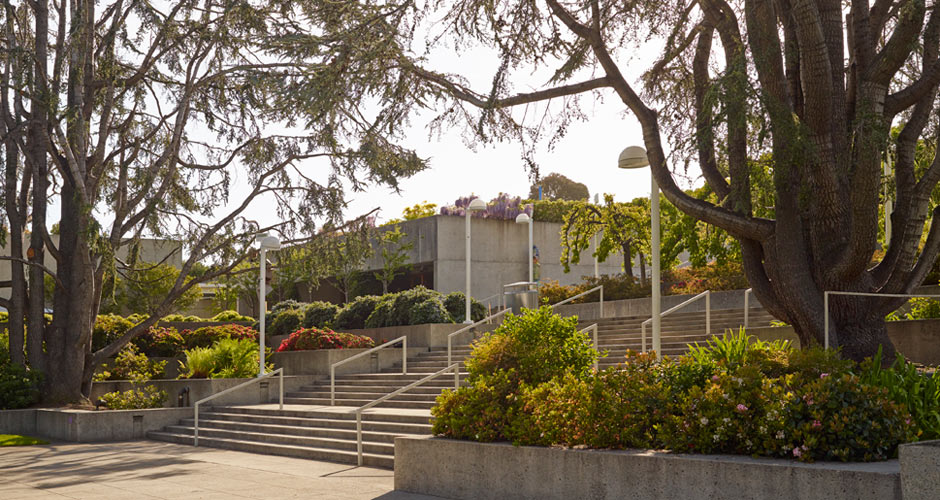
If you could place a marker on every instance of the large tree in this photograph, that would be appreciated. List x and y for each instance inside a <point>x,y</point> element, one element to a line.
<point>813,84</point>
<point>172,119</point>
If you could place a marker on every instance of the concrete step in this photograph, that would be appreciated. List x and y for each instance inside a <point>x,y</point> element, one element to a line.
<point>318,423</point>
<point>392,403</point>
<point>289,450</point>
<point>371,389</point>
<point>442,381</point>
<point>347,443</point>
<point>327,412</point>
<point>290,430</point>
<point>371,396</point>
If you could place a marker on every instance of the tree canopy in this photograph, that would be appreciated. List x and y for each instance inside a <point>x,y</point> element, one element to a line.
<point>558,187</point>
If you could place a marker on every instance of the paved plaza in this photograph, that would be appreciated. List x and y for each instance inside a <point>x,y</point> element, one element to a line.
<point>148,469</point>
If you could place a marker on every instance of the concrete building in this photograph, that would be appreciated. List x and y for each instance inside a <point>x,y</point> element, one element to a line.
<point>499,255</point>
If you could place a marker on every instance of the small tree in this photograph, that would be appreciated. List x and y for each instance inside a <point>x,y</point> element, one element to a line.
<point>558,187</point>
<point>419,210</point>
<point>394,256</point>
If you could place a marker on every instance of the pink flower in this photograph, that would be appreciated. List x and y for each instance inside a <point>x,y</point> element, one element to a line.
<point>817,424</point>
<point>823,375</point>
<point>797,452</point>
<point>714,378</point>
<point>742,408</point>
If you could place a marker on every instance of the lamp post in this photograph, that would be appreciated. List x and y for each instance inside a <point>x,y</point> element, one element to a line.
<point>635,157</point>
<point>265,243</point>
<point>475,206</point>
<point>524,218</point>
<point>596,271</point>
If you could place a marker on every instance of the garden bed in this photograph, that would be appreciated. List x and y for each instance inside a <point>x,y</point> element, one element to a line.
<point>471,470</point>
<point>263,392</point>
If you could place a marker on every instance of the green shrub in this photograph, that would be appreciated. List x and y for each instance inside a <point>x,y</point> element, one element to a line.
<point>407,300</point>
<point>231,315</point>
<point>135,399</point>
<point>315,338</point>
<point>320,314</point>
<point>430,311</point>
<point>19,387</point>
<point>383,314</point>
<point>354,314</point>
<point>455,303</point>
<point>209,335</point>
<point>192,318</point>
<point>131,364</point>
<point>919,392</point>
<point>107,329</point>
<point>714,277</point>
<point>286,305</point>
<point>479,412</point>
<point>227,358</point>
<point>286,321</point>
<point>174,318</point>
<point>160,341</point>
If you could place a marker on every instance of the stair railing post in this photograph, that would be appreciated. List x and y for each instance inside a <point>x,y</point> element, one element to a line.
<point>708,312</point>
<point>332,385</point>
<point>456,376</point>
<point>448,349</point>
<point>196,426</point>
<point>280,394</point>
<point>643,337</point>
<point>404,356</point>
<point>359,437</point>
<point>602,301</point>
<point>747,307</point>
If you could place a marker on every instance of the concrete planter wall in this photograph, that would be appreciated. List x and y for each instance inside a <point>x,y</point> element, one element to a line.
<point>85,426</point>
<point>732,299</point>
<point>920,470</point>
<point>318,362</point>
<point>263,392</point>
<point>917,340</point>
<point>427,335</point>
<point>469,470</point>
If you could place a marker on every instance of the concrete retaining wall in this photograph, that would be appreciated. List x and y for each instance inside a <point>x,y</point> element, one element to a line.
<point>469,470</point>
<point>920,470</point>
<point>427,335</point>
<point>262,392</point>
<point>731,299</point>
<point>318,362</point>
<point>917,340</point>
<point>86,426</point>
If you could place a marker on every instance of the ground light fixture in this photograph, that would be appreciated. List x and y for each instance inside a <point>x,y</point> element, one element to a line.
<point>475,205</point>
<point>635,157</point>
<point>265,243</point>
<point>524,218</point>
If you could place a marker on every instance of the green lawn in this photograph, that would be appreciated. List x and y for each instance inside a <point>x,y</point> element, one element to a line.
<point>14,440</point>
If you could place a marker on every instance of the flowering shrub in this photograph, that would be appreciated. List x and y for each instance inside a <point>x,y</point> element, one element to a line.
<point>616,287</point>
<point>161,341</point>
<point>107,329</point>
<point>714,277</point>
<point>135,399</point>
<point>307,339</point>
<point>503,207</point>
<point>209,335</point>
<point>131,364</point>
<point>732,395</point>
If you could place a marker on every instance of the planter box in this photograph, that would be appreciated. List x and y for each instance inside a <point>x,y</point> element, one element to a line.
<point>317,362</point>
<point>86,426</point>
<point>918,340</point>
<point>920,470</point>
<point>426,335</point>
<point>263,392</point>
<point>470,470</point>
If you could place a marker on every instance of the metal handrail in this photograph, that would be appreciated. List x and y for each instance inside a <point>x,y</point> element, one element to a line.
<point>708,315</point>
<point>747,295</point>
<point>594,328</point>
<point>467,328</point>
<point>279,372</point>
<point>569,299</point>
<point>358,411</point>
<point>827,293</point>
<point>404,362</point>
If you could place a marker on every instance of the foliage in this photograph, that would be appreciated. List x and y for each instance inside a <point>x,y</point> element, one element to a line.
<point>429,311</point>
<point>919,392</point>
<point>558,187</point>
<point>135,399</point>
<point>230,315</point>
<point>314,338</point>
<point>734,394</point>
<point>713,276</point>
<point>286,305</point>
<point>394,252</point>
<point>503,207</point>
<point>286,321</point>
<point>920,308</point>
<point>16,440</point>
<point>419,211</point>
<point>142,289</point>
<point>456,305</point>
<point>131,364</point>
<point>161,341</point>
<point>107,329</point>
<point>227,358</point>
<point>19,387</point>
<point>209,335</point>
<point>552,210</point>
<point>616,287</point>
<point>354,314</point>
<point>320,314</point>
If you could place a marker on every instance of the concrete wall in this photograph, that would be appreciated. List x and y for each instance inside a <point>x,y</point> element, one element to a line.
<point>262,392</point>
<point>86,426</point>
<point>318,362</point>
<point>917,340</point>
<point>732,299</point>
<point>427,335</point>
<point>470,470</point>
<point>920,470</point>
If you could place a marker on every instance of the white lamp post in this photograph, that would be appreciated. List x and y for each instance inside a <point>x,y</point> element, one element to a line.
<point>635,157</point>
<point>265,243</point>
<point>597,274</point>
<point>524,218</point>
<point>475,206</point>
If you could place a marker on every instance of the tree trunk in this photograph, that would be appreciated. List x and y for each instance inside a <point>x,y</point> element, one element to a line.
<point>627,259</point>
<point>642,258</point>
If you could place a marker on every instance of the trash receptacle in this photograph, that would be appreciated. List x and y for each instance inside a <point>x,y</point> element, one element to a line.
<point>521,295</point>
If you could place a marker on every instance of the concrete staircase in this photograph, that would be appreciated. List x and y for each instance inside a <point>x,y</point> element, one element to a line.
<point>309,427</point>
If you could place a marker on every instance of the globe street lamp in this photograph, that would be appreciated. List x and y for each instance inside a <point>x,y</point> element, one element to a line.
<point>635,157</point>
<point>475,206</point>
<point>596,272</point>
<point>265,243</point>
<point>524,218</point>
